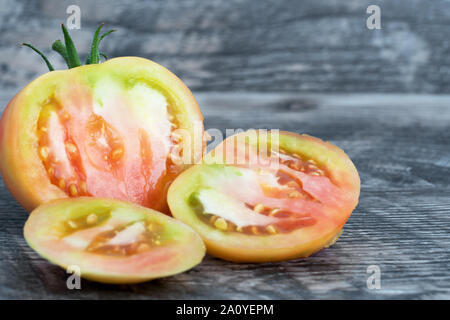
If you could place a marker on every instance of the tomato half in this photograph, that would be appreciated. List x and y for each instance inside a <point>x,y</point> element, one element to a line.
<point>112,241</point>
<point>103,130</point>
<point>267,197</point>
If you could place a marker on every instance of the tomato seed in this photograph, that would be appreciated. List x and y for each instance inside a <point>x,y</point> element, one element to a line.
<point>62,183</point>
<point>71,147</point>
<point>72,224</point>
<point>43,151</point>
<point>274,211</point>
<point>91,219</point>
<point>116,154</point>
<point>73,190</point>
<point>258,208</point>
<point>294,194</point>
<point>292,184</point>
<point>51,171</point>
<point>213,219</point>
<point>221,224</point>
<point>271,229</point>
<point>83,187</point>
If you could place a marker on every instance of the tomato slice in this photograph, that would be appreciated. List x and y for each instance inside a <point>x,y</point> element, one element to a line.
<point>112,241</point>
<point>108,130</point>
<point>267,197</point>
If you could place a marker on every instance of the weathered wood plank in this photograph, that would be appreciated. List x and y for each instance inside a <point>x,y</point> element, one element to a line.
<point>287,45</point>
<point>400,145</point>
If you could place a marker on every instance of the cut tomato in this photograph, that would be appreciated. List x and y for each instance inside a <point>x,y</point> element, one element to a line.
<point>112,241</point>
<point>267,197</point>
<point>103,130</point>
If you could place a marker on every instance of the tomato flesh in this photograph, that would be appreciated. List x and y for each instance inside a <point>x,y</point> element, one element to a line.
<point>112,241</point>
<point>107,130</point>
<point>290,203</point>
<point>86,153</point>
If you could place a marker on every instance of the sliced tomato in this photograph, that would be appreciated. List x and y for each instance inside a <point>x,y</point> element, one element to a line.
<point>105,130</point>
<point>267,197</point>
<point>112,241</point>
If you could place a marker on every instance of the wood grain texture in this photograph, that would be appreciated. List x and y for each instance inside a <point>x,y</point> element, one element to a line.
<point>401,147</point>
<point>283,45</point>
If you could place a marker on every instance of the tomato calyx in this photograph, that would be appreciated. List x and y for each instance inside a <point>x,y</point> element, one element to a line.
<point>69,53</point>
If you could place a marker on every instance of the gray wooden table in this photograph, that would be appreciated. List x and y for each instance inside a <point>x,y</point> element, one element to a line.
<point>401,147</point>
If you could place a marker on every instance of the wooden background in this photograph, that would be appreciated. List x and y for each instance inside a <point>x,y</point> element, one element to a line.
<point>304,66</point>
<point>242,45</point>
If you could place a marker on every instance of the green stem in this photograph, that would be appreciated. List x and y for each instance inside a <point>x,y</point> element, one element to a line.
<point>49,65</point>
<point>72,56</point>
<point>95,45</point>
<point>106,33</point>
<point>93,56</point>
<point>59,47</point>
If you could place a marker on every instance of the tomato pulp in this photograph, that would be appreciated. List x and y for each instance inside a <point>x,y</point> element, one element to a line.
<point>104,130</point>
<point>267,197</point>
<point>112,241</point>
